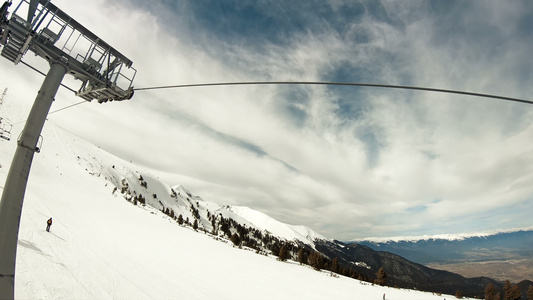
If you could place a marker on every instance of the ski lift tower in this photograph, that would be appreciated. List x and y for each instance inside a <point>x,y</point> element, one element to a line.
<point>70,48</point>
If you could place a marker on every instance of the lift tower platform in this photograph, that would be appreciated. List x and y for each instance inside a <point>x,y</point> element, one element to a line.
<point>106,75</point>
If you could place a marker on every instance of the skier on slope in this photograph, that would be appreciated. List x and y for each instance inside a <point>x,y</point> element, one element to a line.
<point>49,223</point>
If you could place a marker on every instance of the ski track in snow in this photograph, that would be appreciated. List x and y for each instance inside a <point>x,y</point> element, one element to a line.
<point>103,247</point>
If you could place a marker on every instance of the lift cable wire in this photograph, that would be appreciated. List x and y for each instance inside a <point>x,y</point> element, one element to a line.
<point>60,109</point>
<point>67,107</point>
<point>404,87</point>
<point>337,83</point>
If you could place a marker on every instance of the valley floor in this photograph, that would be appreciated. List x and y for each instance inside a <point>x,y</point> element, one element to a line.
<point>512,270</point>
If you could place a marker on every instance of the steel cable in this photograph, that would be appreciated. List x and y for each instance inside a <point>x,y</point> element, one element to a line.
<point>338,84</point>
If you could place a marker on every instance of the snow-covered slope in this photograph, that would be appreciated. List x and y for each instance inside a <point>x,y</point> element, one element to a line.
<point>104,247</point>
<point>133,183</point>
<point>286,231</point>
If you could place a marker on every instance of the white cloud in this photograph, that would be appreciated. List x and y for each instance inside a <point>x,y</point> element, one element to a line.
<point>398,164</point>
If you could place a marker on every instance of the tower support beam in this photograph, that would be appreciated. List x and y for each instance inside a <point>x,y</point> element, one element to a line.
<point>17,178</point>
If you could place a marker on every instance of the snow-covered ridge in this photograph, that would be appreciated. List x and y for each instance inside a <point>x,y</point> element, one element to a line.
<point>286,231</point>
<point>449,237</point>
<point>135,183</point>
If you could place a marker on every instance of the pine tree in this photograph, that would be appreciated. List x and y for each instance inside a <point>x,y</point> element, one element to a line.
<point>235,239</point>
<point>516,294</point>
<point>213,225</point>
<point>530,292</point>
<point>335,268</point>
<point>283,253</point>
<point>381,277</point>
<point>302,259</point>
<point>490,292</point>
<point>274,248</point>
<point>180,219</point>
<point>316,260</point>
<point>511,292</point>
<point>195,225</point>
<point>507,290</point>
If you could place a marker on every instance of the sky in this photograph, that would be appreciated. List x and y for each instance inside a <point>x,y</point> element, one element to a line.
<point>348,162</point>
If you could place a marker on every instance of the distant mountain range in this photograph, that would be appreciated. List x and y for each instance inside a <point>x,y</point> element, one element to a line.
<point>404,273</point>
<point>502,246</point>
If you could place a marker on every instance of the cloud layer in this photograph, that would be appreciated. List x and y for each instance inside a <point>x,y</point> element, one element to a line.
<point>347,162</point>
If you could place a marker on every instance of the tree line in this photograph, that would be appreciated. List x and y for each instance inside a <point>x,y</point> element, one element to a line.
<point>510,292</point>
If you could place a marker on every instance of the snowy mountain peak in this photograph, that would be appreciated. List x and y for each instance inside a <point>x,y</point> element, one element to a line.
<point>449,237</point>
<point>286,231</point>
<point>181,189</point>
